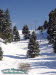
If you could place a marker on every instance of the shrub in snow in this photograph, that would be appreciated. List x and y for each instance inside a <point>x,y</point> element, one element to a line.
<point>24,66</point>
<point>1,53</point>
<point>33,47</point>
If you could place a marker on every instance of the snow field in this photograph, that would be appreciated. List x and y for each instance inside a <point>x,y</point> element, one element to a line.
<point>15,53</point>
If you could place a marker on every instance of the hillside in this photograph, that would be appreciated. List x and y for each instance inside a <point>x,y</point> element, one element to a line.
<point>15,53</point>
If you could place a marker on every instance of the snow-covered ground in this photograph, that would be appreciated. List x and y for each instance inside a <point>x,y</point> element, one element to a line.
<point>15,53</point>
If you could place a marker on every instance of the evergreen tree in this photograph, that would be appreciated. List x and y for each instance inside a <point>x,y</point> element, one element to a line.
<point>52,26</point>
<point>1,21</point>
<point>1,53</point>
<point>5,26</point>
<point>33,47</point>
<point>52,29</point>
<point>34,35</point>
<point>8,26</point>
<point>16,36</point>
<point>45,24</point>
<point>41,28</point>
<point>26,32</point>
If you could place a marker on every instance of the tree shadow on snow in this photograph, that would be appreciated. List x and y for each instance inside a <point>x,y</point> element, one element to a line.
<point>16,57</point>
<point>43,64</point>
<point>48,54</point>
<point>45,45</point>
<point>48,58</point>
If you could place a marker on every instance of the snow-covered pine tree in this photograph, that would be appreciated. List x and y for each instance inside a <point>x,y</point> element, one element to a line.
<point>33,47</point>
<point>26,32</point>
<point>16,36</point>
<point>1,53</point>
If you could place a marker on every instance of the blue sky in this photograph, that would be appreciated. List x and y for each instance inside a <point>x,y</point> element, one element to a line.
<point>31,12</point>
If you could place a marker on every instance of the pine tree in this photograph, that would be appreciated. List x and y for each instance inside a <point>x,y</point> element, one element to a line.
<point>41,28</point>
<point>34,35</point>
<point>1,21</point>
<point>1,53</point>
<point>52,29</point>
<point>26,32</point>
<point>5,26</point>
<point>33,47</point>
<point>8,27</point>
<point>45,24</point>
<point>16,36</point>
<point>52,26</point>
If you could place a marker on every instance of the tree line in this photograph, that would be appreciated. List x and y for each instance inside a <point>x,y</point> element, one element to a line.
<point>50,26</point>
<point>7,32</point>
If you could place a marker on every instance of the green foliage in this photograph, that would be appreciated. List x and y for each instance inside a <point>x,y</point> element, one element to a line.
<point>52,29</point>
<point>41,28</point>
<point>26,32</point>
<point>33,47</point>
<point>16,36</point>
<point>52,26</point>
<point>34,35</point>
<point>45,25</point>
<point>5,26</point>
<point>1,53</point>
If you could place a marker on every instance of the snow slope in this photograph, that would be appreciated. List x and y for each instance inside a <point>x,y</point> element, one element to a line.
<point>15,53</point>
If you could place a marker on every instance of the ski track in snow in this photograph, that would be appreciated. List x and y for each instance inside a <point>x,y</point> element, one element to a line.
<point>15,53</point>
